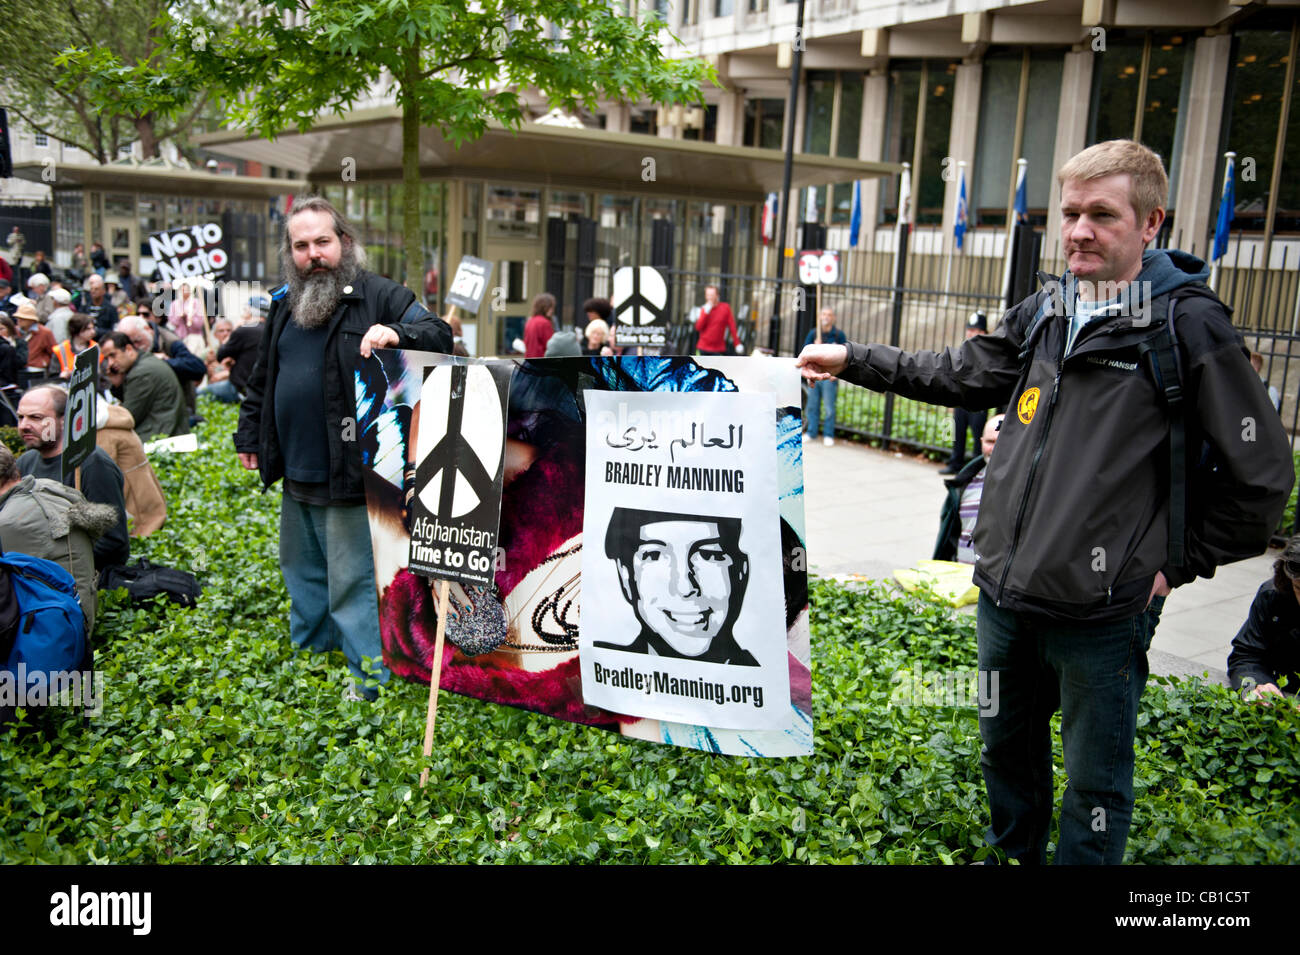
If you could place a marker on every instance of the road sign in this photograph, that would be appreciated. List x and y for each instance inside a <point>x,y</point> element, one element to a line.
<point>79,418</point>
<point>470,284</point>
<point>640,300</point>
<point>819,267</point>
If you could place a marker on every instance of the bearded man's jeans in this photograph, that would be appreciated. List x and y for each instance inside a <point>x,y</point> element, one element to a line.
<point>329,570</point>
<point>1094,674</point>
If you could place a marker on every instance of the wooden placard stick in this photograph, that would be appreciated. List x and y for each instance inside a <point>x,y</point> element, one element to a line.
<point>435,676</point>
<point>76,478</point>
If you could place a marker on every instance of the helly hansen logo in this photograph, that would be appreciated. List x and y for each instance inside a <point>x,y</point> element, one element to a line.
<point>1113,363</point>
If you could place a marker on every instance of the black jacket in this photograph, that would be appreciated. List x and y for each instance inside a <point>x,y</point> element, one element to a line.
<point>1268,644</point>
<point>1074,519</point>
<point>369,300</point>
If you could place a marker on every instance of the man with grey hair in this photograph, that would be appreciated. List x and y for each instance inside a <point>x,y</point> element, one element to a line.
<point>163,344</point>
<point>298,422</point>
<point>96,303</point>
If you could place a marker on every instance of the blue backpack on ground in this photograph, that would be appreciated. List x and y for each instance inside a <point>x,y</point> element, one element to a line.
<point>41,623</point>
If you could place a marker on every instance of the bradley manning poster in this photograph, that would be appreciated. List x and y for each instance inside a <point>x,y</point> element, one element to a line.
<point>684,615</point>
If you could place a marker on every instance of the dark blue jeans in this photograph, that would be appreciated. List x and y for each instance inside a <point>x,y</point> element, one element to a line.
<point>1094,674</point>
<point>822,394</point>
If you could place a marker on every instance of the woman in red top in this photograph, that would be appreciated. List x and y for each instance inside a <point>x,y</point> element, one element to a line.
<point>539,329</point>
<point>715,324</point>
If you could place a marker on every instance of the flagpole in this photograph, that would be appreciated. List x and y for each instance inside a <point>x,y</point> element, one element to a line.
<point>1221,225</point>
<point>1021,163</point>
<point>904,204</point>
<point>952,246</point>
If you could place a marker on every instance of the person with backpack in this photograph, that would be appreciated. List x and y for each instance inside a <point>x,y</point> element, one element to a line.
<point>1139,451</point>
<point>44,519</point>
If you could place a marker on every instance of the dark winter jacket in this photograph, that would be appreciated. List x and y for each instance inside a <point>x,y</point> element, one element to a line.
<point>1074,519</point>
<point>369,300</point>
<point>1268,644</point>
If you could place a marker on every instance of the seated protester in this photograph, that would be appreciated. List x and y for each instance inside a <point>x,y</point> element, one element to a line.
<point>113,289</point>
<point>149,388</point>
<point>81,336</point>
<point>218,383</point>
<point>98,304</point>
<point>162,343</point>
<point>146,508</point>
<point>239,351</point>
<point>57,323</point>
<point>11,356</point>
<point>40,343</point>
<point>45,519</point>
<point>38,290</point>
<point>1267,647</point>
<point>563,344</point>
<point>961,506</point>
<point>41,416</point>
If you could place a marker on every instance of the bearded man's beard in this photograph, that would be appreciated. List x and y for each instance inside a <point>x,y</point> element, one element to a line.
<point>313,296</point>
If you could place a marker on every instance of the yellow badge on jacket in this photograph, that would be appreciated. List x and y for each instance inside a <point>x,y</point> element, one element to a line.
<point>1027,405</point>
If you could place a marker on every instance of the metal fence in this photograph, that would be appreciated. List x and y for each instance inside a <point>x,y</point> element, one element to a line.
<point>930,308</point>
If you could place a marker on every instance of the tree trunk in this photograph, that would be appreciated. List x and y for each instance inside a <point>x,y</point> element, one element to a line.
<point>148,142</point>
<point>411,173</point>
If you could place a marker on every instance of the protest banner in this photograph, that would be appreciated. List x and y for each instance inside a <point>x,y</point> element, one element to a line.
<point>460,426</point>
<point>681,522</point>
<point>639,301</point>
<point>193,253</point>
<point>470,283</point>
<point>516,641</point>
<point>79,432</point>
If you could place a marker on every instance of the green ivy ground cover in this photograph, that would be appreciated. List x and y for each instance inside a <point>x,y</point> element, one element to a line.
<point>217,744</point>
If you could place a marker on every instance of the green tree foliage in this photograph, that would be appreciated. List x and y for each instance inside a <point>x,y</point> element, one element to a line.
<point>455,66</point>
<point>95,112</point>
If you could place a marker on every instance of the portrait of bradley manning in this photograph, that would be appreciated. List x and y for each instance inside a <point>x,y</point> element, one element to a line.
<point>684,576</point>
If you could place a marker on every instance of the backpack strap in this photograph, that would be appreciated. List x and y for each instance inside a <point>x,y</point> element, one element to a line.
<point>1161,353</point>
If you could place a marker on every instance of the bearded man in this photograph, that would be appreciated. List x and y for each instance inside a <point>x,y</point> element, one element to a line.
<point>298,422</point>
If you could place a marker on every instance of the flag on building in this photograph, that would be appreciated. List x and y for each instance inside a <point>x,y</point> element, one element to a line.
<point>1022,196</point>
<point>1227,208</point>
<point>959,224</point>
<point>769,219</point>
<point>855,217</point>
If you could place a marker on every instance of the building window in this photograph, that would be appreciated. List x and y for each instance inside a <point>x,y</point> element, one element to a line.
<point>707,132</point>
<point>722,8</point>
<point>661,8</point>
<point>42,141</point>
<point>764,122</point>
<point>916,132</point>
<point>1123,106</point>
<point>757,6</point>
<point>1008,75</point>
<point>1253,119</point>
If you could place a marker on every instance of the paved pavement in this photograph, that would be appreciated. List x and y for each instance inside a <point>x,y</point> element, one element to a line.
<point>869,512</point>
